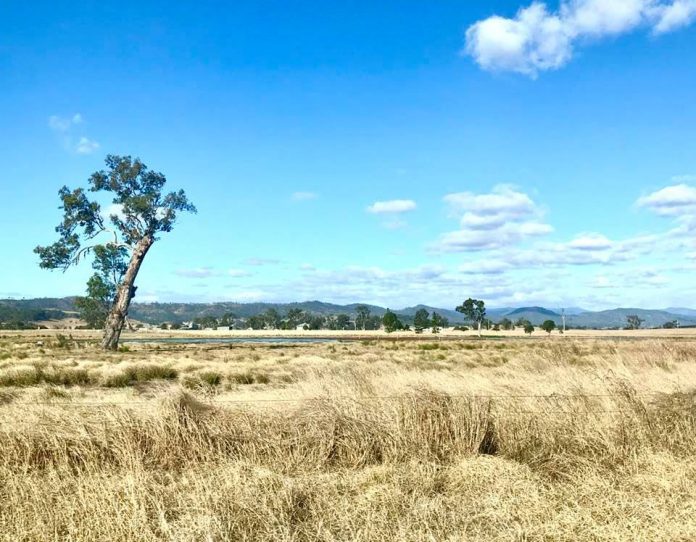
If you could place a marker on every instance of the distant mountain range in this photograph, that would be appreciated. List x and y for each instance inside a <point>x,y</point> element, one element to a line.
<point>155,313</point>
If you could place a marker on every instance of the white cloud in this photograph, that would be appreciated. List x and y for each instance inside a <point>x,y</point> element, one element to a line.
<point>114,209</point>
<point>303,196</point>
<point>602,281</point>
<point>257,262</point>
<point>86,146</point>
<point>65,127</point>
<point>500,218</point>
<point>238,273</point>
<point>394,206</point>
<point>486,267</point>
<point>63,124</point>
<point>676,15</point>
<point>676,200</point>
<point>196,273</point>
<point>591,241</point>
<point>208,272</point>
<point>536,39</point>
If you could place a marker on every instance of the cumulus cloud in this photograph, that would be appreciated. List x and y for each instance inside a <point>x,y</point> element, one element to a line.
<point>537,39</point>
<point>677,200</point>
<point>394,206</point>
<point>591,241</point>
<point>500,218</point>
<point>399,287</point>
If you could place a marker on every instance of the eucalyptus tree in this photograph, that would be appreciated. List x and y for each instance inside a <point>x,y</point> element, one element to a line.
<point>438,322</point>
<point>125,231</point>
<point>474,310</point>
<point>421,320</point>
<point>362,315</point>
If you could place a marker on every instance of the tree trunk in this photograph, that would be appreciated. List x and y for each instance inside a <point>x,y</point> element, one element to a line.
<point>119,310</point>
<point>479,328</point>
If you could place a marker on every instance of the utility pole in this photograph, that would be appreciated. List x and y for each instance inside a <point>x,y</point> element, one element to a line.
<point>563,318</point>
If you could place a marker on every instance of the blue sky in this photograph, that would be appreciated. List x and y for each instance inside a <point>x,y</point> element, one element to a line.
<point>386,152</point>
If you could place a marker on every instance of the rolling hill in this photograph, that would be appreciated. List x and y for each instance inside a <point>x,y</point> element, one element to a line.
<point>156,313</point>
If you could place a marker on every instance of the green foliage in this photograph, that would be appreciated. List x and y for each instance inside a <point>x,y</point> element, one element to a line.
<point>506,324</point>
<point>94,308</point>
<point>19,314</point>
<point>362,316</point>
<point>437,322</point>
<point>633,321</point>
<point>421,320</point>
<point>391,322</point>
<point>528,328</point>
<point>256,322</point>
<point>143,212</point>
<point>474,310</point>
<point>294,317</point>
<point>342,321</point>
<point>523,323</point>
<point>548,326</point>
<point>271,319</point>
<point>205,322</point>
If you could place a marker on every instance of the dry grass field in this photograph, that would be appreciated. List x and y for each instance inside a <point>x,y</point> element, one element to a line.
<point>562,438</point>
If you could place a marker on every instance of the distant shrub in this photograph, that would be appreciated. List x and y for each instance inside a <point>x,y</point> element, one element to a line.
<point>63,342</point>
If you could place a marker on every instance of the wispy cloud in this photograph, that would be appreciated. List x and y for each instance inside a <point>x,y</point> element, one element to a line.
<point>238,273</point>
<point>304,196</point>
<point>63,124</point>
<point>257,262</point>
<point>394,206</point>
<point>86,146</point>
<point>537,39</point>
<point>65,127</point>
<point>196,273</point>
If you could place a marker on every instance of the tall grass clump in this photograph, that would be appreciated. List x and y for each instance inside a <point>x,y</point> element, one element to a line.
<point>134,374</point>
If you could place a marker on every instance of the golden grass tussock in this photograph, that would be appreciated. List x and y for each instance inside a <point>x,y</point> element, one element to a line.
<point>497,440</point>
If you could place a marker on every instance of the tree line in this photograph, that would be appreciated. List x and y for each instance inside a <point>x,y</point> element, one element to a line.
<point>119,242</point>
